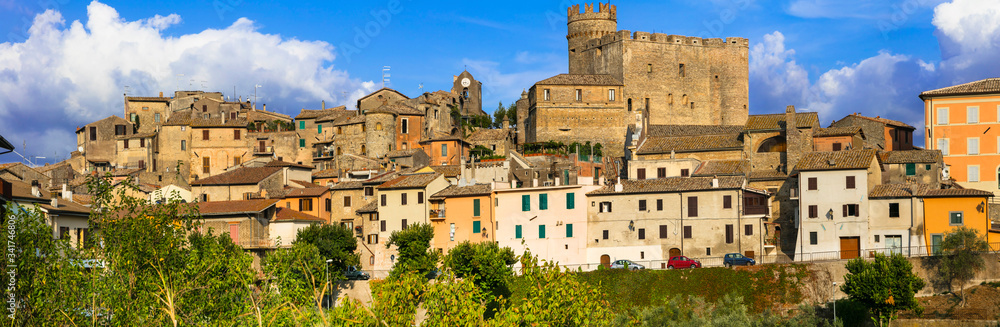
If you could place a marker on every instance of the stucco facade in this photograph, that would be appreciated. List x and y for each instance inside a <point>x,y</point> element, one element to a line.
<point>555,232</point>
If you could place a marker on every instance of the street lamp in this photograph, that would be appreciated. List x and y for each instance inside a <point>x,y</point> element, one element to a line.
<point>328,286</point>
<point>834,303</point>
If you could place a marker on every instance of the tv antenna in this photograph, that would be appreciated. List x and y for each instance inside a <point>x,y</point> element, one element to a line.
<point>385,75</point>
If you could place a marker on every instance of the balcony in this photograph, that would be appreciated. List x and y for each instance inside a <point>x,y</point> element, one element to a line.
<point>793,194</point>
<point>437,214</point>
<point>263,150</point>
<point>255,243</point>
<point>755,210</point>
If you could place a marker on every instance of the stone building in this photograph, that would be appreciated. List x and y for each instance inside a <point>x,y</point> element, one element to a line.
<point>838,139</point>
<point>880,133</point>
<point>470,94</point>
<point>577,108</point>
<point>97,142</point>
<point>147,112</point>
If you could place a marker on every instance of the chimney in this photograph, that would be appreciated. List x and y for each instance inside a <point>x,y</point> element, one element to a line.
<point>324,104</point>
<point>34,189</point>
<point>506,123</point>
<point>66,193</point>
<point>265,107</point>
<point>55,202</point>
<point>161,94</point>
<point>618,186</point>
<point>715,182</point>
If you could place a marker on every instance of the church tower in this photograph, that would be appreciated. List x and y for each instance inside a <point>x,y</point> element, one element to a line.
<point>470,94</point>
<point>582,27</point>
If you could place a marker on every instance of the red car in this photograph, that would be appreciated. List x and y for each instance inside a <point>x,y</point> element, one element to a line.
<point>681,262</point>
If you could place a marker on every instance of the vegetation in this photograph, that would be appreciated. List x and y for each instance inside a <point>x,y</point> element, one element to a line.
<point>485,264</point>
<point>886,285</point>
<point>334,242</point>
<point>415,253</point>
<point>480,151</point>
<point>728,311</point>
<point>961,257</point>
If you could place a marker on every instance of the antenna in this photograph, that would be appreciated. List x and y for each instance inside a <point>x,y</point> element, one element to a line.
<point>385,75</point>
<point>421,88</point>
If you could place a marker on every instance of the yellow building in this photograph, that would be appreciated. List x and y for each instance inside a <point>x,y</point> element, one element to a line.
<point>948,209</point>
<point>963,121</point>
<point>311,200</point>
<point>462,213</point>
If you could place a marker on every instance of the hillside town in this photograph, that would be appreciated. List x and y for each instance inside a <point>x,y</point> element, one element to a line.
<point>644,150</point>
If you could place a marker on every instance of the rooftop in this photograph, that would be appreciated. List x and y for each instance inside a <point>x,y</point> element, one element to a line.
<point>279,163</point>
<point>286,214</point>
<point>838,131</point>
<point>656,145</point>
<point>723,168</point>
<point>448,170</point>
<point>487,135</point>
<point>397,109</point>
<point>369,208</point>
<point>459,191</point>
<point>579,79</point>
<point>308,192</point>
<point>986,86</point>
<point>313,114</point>
<point>352,185</point>
<point>688,130</point>
<point>220,208</point>
<point>881,120</point>
<point>911,156</point>
<point>326,173</point>
<point>836,160</point>
<point>240,176</point>
<point>777,121</point>
<point>672,184</point>
<point>410,181</point>
<point>402,153</point>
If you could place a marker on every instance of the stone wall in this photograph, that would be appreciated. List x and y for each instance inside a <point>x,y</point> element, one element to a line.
<point>380,133</point>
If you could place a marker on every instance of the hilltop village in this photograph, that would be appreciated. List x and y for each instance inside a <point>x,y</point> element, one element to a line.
<point>644,150</point>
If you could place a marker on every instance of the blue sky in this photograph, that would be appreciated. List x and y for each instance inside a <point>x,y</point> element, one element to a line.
<point>834,57</point>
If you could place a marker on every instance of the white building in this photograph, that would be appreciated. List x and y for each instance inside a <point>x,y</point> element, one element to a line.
<point>549,221</point>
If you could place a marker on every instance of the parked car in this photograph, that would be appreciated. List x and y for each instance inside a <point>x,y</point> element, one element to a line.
<point>352,273</point>
<point>681,262</point>
<point>736,259</point>
<point>626,264</point>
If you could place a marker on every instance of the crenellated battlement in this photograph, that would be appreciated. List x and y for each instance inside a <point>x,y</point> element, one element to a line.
<point>604,11</point>
<point>626,35</point>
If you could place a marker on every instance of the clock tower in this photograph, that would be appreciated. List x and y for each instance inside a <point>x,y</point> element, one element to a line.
<point>470,94</point>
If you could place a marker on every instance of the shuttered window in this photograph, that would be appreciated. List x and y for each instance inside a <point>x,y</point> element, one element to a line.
<point>517,232</point>
<point>526,202</point>
<point>642,205</point>
<point>569,230</point>
<point>476,227</point>
<point>729,234</point>
<point>727,201</point>
<point>541,231</point>
<point>642,233</point>
<point>850,182</point>
<point>812,183</point>
<point>640,173</point>
<point>204,135</point>
<point>661,173</point>
<point>402,199</point>
<point>570,200</point>
<point>693,206</point>
<point>687,231</point>
<point>813,211</point>
<point>475,211</point>
<point>659,204</point>
<point>543,201</point>
<point>663,231</point>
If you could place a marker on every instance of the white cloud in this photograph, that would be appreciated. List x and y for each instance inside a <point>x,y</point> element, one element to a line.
<point>968,32</point>
<point>67,76</point>
<point>500,85</point>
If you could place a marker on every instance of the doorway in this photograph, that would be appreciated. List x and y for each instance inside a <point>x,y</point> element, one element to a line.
<point>674,252</point>
<point>850,247</point>
<point>606,261</point>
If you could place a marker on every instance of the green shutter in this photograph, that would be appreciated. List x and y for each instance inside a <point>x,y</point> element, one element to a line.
<point>570,200</point>
<point>911,169</point>
<point>302,124</point>
<point>526,202</point>
<point>543,201</point>
<point>475,210</point>
<point>565,177</point>
<point>569,230</point>
<point>476,228</point>
<point>302,143</point>
<point>541,231</point>
<point>319,129</point>
<point>517,231</point>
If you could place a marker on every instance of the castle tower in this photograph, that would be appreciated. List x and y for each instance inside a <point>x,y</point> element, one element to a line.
<point>582,27</point>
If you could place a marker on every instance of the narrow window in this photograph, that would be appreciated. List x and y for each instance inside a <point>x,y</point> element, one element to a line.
<point>302,124</point>
<point>183,145</point>
<point>475,209</point>
<point>206,163</point>
<point>541,231</point>
<point>569,230</point>
<point>894,210</point>
<point>973,115</point>
<point>973,174</point>
<point>813,238</point>
<point>748,230</point>
<point>156,117</point>
<point>319,129</point>
<point>642,233</point>
<point>444,150</point>
<point>663,231</point>
<point>812,183</point>
<point>570,200</point>
<point>727,202</point>
<point>680,71</point>
<point>517,232</point>
<point>526,202</point>
<point>640,173</point>
<point>383,200</point>
<point>579,95</point>
<point>942,145</point>
<point>404,126</point>
<point>692,206</point>
<point>302,143</point>
<point>452,235</point>
<point>125,142</point>
<point>405,224</point>
<point>369,191</point>
<point>546,92</point>
<point>204,135</point>
<point>649,68</point>
<point>476,227</point>
<point>642,205</point>
<point>347,200</point>
<point>236,134</point>
<point>661,173</point>
<point>687,231</point>
<point>604,234</point>
<point>329,205</point>
<point>659,204</point>
<point>729,234</point>
<point>611,94</point>
<point>383,225</point>
<point>93,133</point>
<point>402,199</point>
<point>420,198</point>
<point>204,108</point>
<point>237,161</point>
<point>942,116</point>
<point>973,145</point>
<point>543,201</point>
<point>813,211</point>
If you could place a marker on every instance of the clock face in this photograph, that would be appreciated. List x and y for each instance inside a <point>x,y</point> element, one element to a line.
<point>465,82</point>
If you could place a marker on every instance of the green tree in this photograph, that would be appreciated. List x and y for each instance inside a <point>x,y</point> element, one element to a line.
<point>480,151</point>
<point>512,113</point>
<point>414,247</point>
<point>299,275</point>
<point>962,257</point>
<point>451,302</point>
<point>335,242</point>
<point>885,285</point>
<point>487,265</point>
<point>499,115</point>
<point>397,297</point>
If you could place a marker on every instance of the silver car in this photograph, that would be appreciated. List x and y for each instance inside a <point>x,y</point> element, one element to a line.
<point>626,264</point>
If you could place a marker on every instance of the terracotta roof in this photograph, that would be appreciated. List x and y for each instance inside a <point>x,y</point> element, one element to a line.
<point>260,115</point>
<point>397,109</point>
<point>9,164</point>
<point>955,192</point>
<point>313,114</point>
<point>326,173</point>
<point>655,145</point>
<point>837,160</point>
<point>448,170</point>
<point>48,167</point>
<point>380,90</point>
<point>579,79</point>
<point>889,191</point>
<point>688,130</point>
<point>369,208</point>
<point>767,175</point>
<point>881,120</point>
<point>351,185</point>
<point>723,168</point>
<point>148,99</point>
<point>279,163</point>
<point>989,85</point>
<point>308,192</point>
<point>672,184</point>
<point>777,121</point>
<point>402,153</point>
<point>285,214</point>
<point>486,135</point>
<point>125,172</point>
<point>304,184</point>
<point>911,156</point>
<point>444,139</point>
<point>349,120</point>
<point>22,190</point>
<point>220,208</point>
<point>838,131</point>
<point>66,206</point>
<point>217,122</point>
<point>136,136</point>
<point>379,179</point>
<point>410,181</point>
<point>83,199</point>
<point>459,191</point>
<point>240,176</point>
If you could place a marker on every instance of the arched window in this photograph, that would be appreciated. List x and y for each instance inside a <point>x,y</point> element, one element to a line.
<point>364,128</point>
<point>774,144</point>
<point>405,146</point>
<point>339,152</point>
<point>629,104</point>
<point>363,152</point>
<point>378,126</point>
<point>670,98</point>
<point>465,93</point>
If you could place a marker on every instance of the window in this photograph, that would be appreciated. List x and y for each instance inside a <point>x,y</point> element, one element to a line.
<point>851,210</point>
<point>604,234</point>
<point>404,224</point>
<point>364,150</point>
<point>649,68</point>
<point>236,134</point>
<point>383,225</point>
<point>813,238</point>
<point>420,197</point>
<point>692,206</point>
<point>237,161</point>
<point>183,145</point>
<point>836,146</point>
<point>708,251</point>
<point>93,133</point>
<point>663,231</point>
<point>727,201</point>
<point>204,108</point>
<point>642,233</point>
<point>812,183</point>
<point>942,144</point>
<point>569,230</point>
<point>543,201</point>
<point>305,204</point>
<point>680,71</point>
<point>973,173</point>
<point>955,218</point>
<point>642,205</point>
<point>911,169</point>
<point>444,150</point>
<point>302,143</point>
<point>452,234</point>
<point>404,126</point>
<point>605,207</point>
<point>383,200</point>
<point>729,234</point>
<point>125,142</point>
<point>369,191</point>
<point>972,116</point>
<point>302,124</point>
<point>378,126</point>
<point>748,230</point>
<point>973,145</point>
<point>517,232</point>
<point>347,200</point>
<point>942,116</point>
<point>546,92</point>
<point>850,182</point>
<point>329,205</point>
<point>475,209</point>
<point>402,199</point>
<point>640,173</point>
<point>685,173</point>
<point>204,135</point>
<point>687,231</point>
<point>526,202</point>
<point>579,95</point>
<point>476,227</point>
<point>659,204</point>
<point>206,164</point>
<point>611,94</point>
<point>119,130</point>
<point>156,117</point>
<point>541,231</point>
<point>813,211</point>
<point>570,200</point>
<point>894,210</point>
